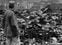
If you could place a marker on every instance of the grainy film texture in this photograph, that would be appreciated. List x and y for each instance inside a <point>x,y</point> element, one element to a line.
<point>30,22</point>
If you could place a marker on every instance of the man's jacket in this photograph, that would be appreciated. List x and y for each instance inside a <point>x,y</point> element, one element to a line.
<point>11,26</point>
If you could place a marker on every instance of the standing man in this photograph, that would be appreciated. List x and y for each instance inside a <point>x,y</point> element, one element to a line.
<point>10,27</point>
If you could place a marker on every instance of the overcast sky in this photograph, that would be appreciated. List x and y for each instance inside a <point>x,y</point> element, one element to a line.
<point>59,1</point>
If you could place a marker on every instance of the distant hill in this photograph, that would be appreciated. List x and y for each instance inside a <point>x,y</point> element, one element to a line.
<point>56,8</point>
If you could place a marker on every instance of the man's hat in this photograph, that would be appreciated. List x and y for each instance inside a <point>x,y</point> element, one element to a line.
<point>11,4</point>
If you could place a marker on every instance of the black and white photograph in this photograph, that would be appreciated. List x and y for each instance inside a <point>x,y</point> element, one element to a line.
<point>30,22</point>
